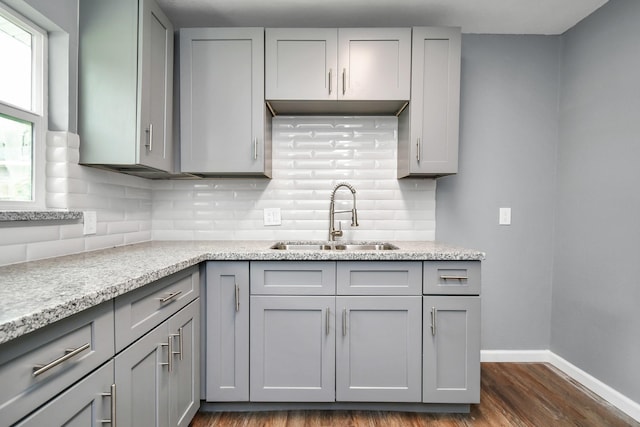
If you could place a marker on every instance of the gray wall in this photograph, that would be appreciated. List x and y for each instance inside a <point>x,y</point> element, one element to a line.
<point>596,278</point>
<point>508,140</point>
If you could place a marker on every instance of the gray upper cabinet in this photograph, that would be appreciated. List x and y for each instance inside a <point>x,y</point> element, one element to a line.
<point>428,128</point>
<point>224,123</point>
<point>301,63</point>
<point>374,63</point>
<point>307,70</point>
<point>125,86</point>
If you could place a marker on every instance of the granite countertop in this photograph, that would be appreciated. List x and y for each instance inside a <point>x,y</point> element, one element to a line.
<point>35,294</point>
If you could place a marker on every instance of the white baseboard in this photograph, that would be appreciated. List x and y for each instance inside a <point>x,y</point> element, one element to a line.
<point>612,396</point>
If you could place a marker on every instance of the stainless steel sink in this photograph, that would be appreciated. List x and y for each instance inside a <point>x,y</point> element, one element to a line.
<point>333,246</point>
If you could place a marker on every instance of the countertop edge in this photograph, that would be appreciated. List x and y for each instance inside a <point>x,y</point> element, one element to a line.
<point>182,255</point>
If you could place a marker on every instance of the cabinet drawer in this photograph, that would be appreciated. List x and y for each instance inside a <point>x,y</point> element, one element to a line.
<point>36,367</point>
<point>379,278</point>
<point>139,311</point>
<point>452,277</point>
<point>293,278</point>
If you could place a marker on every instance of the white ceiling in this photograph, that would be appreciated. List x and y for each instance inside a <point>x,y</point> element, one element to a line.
<point>474,16</point>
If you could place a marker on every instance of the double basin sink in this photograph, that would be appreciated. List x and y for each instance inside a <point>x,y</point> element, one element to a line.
<point>333,246</point>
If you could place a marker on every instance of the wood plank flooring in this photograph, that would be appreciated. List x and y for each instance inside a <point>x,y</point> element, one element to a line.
<point>512,394</point>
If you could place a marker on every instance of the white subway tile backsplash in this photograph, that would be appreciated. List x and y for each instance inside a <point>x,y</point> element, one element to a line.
<point>310,156</point>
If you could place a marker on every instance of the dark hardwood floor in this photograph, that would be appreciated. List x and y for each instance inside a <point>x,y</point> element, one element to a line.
<point>513,394</point>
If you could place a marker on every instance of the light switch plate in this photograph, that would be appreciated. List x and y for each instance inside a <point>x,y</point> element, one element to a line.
<point>505,216</point>
<point>90,222</point>
<point>272,216</point>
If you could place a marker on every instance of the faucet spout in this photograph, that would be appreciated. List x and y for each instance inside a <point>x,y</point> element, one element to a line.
<point>333,233</point>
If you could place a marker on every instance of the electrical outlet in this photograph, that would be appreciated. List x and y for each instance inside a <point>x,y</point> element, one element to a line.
<point>90,222</point>
<point>272,216</point>
<point>504,216</point>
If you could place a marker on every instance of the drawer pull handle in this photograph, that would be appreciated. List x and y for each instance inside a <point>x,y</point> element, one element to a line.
<point>326,322</point>
<point>69,353</point>
<point>237,298</point>
<point>344,322</point>
<point>169,362</point>
<point>170,297</point>
<point>433,321</point>
<point>454,278</point>
<point>180,343</point>
<point>330,78</point>
<point>112,394</point>
<point>418,149</point>
<point>344,81</point>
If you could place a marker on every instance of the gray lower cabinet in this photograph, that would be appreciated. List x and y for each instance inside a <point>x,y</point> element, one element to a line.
<point>157,378</point>
<point>451,340</point>
<point>292,349</point>
<point>378,350</point>
<point>88,403</point>
<point>227,331</point>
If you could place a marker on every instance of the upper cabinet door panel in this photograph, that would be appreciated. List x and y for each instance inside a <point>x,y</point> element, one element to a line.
<point>301,63</point>
<point>375,63</point>
<point>222,100</point>
<point>156,88</point>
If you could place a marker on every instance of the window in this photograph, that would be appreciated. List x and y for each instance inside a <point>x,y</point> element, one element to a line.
<point>22,111</point>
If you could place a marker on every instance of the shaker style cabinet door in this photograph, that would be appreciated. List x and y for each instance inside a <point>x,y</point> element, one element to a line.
<point>301,63</point>
<point>374,63</point>
<point>292,349</point>
<point>223,118</point>
<point>451,366</point>
<point>378,350</point>
<point>428,129</point>
<point>125,86</point>
<point>227,319</point>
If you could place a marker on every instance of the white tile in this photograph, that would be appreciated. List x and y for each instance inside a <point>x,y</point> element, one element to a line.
<point>13,254</point>
<point>54,248</point>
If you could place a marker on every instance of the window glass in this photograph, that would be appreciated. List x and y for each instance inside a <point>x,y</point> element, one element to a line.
<point>16,153</point>
<point>16,74</point>
<point>22,111</point>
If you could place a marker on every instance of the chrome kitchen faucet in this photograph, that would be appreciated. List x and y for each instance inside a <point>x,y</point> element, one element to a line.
<point>333,233</point>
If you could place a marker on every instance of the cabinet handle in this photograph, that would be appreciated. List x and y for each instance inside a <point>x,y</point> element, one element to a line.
<point>442,277</point>
<point>170,297</point>
<point>237,298</point>
<point>112,395</point>
<point>180,342</point>
<point>255,148</point>
<point>433,321</point>
<point>326,322</point>
<point>169,362</point>
<point>418,149</point>
<point>330,80</point>
<point>69,353</point>
<point>149,143</point>
<point>344,81</point>
<point>344,322</point>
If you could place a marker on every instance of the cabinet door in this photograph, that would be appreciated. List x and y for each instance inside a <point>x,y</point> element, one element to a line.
<point>184,387</point>
<point>451,341</point>
<point>378,350</point>
<point>87,403</point>
<point>292,349</point>
<point>156,87</point>
<point>222,109</point>
<point>301,63</point>
<point>227,331</point>
<point>431,145</point>
<point>142,381</point>
<point>374,63</point>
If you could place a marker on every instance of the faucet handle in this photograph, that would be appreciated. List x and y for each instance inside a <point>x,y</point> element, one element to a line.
<point>338,232</point>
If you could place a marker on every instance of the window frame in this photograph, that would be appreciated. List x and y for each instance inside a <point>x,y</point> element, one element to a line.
<point>38,115</point>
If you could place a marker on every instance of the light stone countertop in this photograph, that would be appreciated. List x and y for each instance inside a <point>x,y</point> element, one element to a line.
<point>37,293</point>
